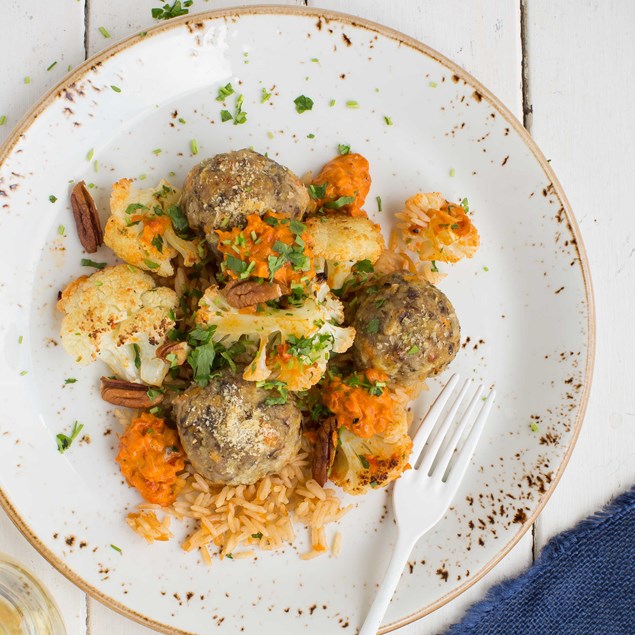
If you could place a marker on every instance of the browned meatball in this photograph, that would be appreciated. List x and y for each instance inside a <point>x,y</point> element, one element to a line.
<point>408,329</point>
<point>221,191</point>
<point>230,435</point>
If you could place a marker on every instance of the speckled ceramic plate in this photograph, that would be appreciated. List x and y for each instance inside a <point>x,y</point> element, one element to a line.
<point>524,303</point>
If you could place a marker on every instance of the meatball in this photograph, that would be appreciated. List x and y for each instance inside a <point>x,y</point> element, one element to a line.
<point>220,192</point>
<point>408,329</point>
<point>230,435</point>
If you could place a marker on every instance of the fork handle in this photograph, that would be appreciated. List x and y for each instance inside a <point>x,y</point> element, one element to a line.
<point>399,559</point>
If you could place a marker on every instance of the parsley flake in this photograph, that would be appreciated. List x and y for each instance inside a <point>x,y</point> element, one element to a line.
<point>264,97</point>
<point>167,12</point>
<point>115,88</point>
<point>116,549</point>
<point>52,198</point>
<point>104,32</point>
<point>317,192</point>
<point>224,92</point>
<point>194,146</point>
<point>52,66</point>
<point>340,202</point>
<point>343,149</point>
<point>388,120</point>
<point>87,262</point>
<point>64,442</point>
<point>433,267</point>
<point>352,104</point>
<point>378,199</point>
<point>302,104</point>
<point>372,326</point>
<point>3,120</point>
<point>364,461</point>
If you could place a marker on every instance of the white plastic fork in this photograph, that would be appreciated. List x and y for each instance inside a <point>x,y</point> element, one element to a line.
<point>422,495</point>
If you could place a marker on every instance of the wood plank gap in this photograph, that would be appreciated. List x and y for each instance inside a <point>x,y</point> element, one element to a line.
<point>527,105</point>
<point>85,29</point>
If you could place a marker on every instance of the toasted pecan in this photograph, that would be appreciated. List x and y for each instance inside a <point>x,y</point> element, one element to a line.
<point>324,453</point>
<point>126,393</point>
<point>244,293</point>
<point>178,349</point>
<point>86,217</point>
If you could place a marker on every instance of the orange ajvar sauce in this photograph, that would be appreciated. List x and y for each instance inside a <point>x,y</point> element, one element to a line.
<point>255,244</point>
<point>345,175</point>
<point>356,409</point>
<point>150,456</point>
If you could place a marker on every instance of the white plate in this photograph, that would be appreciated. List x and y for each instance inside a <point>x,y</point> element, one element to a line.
<point>524,303</point>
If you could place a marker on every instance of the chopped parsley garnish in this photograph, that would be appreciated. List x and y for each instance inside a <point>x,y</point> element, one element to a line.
<point>157,242</point>
<point>340,202</point>
<point>23,373</point>
<point>116,549</point>
<point>153,393</point>
<point>70,380</point>
<point>52,66</point>
<point>452,172</point>
<point>364,461</point>
<point>225,115</point>
<point>194,146</point>
<point>310,136</point>
<point>235,264</point>
<point>332,103</point>
<point>137,356</point>
<point>485,268</point>
<point>179,221</point>
<point>352,104</point>
<point>315,60</point>
<point>157,151</point>
<point>87,262</point>
<point>20,339</point>
<point>379,302</point>
<point>343,149</point>
<point>151,264</point>
<point>303,103</point>
<point>372,326</point>
<point>388,120</point>
<point>433,267</point>
<point>465,205</point>
<point>104,32</point>
<point>363,266</point>
<point>134,206</point>
<point>413,350</point>
<point>240,116</point>
<point>229,555</point>
<point>90,154</point>
<point>317,192</point>
<point>61,230</point>
<point>115,88</point>
<point>64,442</point>
<point>174,11</point>
<point>27,80</point>
<point>357,380</point>
<point>378,199</point>
<point>297,227</point>
<point>264,97</point>
<point>534,426</point>
<point>275,385</point>
<point>52,198</point>
<point>432,84</point>
<point>257,536</point>
<point>224,92</point>
<point>3,120</point>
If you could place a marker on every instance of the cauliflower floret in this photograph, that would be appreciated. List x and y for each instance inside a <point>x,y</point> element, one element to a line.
<point>339,241</point>
<point>307,335</point>
<point>436,229</point>
<point>143,225</point>
<point>119,316</point>
<point>363,464</point>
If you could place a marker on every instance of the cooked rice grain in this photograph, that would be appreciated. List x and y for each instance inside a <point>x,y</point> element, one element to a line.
<point>259,515</point>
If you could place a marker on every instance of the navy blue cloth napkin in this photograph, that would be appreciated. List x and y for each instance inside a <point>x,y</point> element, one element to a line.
<point>583,584</point>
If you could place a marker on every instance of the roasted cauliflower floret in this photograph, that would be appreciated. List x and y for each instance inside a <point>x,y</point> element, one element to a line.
<point>436,229</point>
<point>361,464</point>
<point>147,228</point>
<point>292,345</point>
<point>339,241</point>
<point>119,316</point>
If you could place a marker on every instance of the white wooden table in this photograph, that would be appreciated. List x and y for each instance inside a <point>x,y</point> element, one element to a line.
<point>566,69</point>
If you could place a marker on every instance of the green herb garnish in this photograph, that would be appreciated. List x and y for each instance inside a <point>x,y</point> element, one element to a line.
<point>340,202</point>
<point>303,103</point>
<point>343,149</point>
<point>64,442</point>
<point>372,326</point>
<point>224,92</point>
<point>87,262</point>
<point>174,11</point>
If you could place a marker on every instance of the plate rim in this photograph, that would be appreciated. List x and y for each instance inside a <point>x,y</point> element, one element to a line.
<point>272,9</point>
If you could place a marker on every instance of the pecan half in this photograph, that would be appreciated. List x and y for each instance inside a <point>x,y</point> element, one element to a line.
<point>86,218</point>
<point>127,393</point>
<point>178,349</point>
<point>324,453</point>
<point>241,294</point>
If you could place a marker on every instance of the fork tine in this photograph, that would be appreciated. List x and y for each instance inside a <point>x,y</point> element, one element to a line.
<point>466,452</point>
<point>446,456</point>
<point>433,450</point>
<point>427,423</point>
